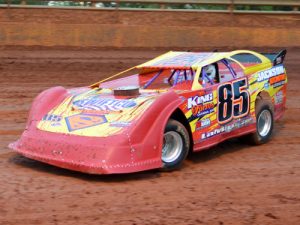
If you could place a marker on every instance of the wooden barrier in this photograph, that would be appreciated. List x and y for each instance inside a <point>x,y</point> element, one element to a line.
<point>144,29</point>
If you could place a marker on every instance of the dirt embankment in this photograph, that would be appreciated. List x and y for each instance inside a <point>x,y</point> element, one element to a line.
<point>145,29</point>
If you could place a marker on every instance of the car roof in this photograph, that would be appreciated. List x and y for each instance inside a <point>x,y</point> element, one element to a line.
<point>185,60</point>
<point>188,60</point>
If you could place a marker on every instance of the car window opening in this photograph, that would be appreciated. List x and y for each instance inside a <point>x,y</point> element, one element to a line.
<point>166,78</point>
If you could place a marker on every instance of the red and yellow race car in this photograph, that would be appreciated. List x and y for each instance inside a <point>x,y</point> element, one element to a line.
<point>173,104</point>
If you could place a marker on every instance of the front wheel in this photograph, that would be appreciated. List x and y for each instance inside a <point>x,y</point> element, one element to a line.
<point>176,144</point>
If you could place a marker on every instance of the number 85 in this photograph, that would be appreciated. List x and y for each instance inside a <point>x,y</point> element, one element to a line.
<point>233,100</point>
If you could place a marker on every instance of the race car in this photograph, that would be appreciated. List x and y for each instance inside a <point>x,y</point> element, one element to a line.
<point>152,115</point>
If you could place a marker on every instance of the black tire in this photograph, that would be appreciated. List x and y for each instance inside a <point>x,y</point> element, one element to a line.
<point>175,132</point>
<point>263,108</point>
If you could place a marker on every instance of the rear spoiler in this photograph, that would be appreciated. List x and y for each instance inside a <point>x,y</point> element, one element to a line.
<point>276,58</point>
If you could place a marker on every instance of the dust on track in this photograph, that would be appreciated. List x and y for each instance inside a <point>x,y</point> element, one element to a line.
<point>232,183</point>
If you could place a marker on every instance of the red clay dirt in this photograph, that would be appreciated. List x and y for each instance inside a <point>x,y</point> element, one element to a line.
<point>232,183</point>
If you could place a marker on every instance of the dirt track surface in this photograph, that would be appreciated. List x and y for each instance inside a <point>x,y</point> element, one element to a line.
<point>232,183</point>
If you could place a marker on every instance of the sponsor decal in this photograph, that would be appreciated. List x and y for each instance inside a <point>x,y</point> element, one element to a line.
<point>267,74</point>
<point>278,98</point>
<point>278,84</point>
<point>202,110</point>
<point>198,100</point>
<point>203,123</point>
<point>228,128</point>
<point>55,120</point>
<point>55,124</point>
<point>277,79</point>
<point>266,85</point>
<point>52,118</point>
<point>104,104</point>
<point>98,112</point>
<point>212,133</point>
<point>238,124</point>
<point>120,124</point>
<point>81,121</point>
<point>201,105</point>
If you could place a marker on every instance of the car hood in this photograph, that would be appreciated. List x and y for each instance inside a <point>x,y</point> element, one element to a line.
<point>96,112</point>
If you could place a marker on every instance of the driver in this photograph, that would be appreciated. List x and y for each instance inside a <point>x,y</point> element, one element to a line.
<point>211,73</point>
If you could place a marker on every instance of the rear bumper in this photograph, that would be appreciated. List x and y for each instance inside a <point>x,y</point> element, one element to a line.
<point>86,154</point>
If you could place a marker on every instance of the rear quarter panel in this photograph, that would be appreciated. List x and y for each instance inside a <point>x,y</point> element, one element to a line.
<point>273,81</point>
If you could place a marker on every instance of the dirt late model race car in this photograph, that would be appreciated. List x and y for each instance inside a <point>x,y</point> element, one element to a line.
<point>173,104</point>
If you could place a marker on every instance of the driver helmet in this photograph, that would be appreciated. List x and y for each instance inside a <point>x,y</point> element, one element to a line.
<point>211,72</point>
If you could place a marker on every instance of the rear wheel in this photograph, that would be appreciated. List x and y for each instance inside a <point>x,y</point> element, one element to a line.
<point>264,122</point>
<point>176,143</point>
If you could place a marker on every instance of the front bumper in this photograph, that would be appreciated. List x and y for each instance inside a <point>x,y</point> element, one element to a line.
<point>113,154</point>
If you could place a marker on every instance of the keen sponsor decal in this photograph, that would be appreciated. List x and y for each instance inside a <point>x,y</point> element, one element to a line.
<point>201,105</point>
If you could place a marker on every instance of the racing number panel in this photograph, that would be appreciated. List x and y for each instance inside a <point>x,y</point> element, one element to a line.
<point>233,100</point>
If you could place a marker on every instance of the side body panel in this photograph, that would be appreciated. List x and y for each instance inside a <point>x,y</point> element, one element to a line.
<point>227,110</point>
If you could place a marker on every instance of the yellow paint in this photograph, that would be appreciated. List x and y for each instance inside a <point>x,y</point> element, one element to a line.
<point>66,109</point>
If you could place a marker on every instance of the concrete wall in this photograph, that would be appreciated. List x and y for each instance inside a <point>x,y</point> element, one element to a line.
<point>135,29</point>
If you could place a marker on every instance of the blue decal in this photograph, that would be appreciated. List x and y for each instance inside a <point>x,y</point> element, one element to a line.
<point>96,103</point>
<point>266,85</point>
<point>120,124</point>
<point>52,118</point>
